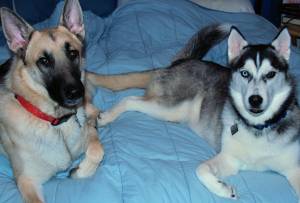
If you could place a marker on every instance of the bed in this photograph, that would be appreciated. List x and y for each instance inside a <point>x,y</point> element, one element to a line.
<point>148,160</point>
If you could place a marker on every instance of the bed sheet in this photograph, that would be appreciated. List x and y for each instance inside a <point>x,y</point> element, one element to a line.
<point>148,160</point>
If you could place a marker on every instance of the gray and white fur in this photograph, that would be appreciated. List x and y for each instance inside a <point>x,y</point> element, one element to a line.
<point>185,90</point>
<point>247,112</point>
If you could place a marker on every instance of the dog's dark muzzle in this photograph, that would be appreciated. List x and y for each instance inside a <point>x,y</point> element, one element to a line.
<point>255,102</point>
<point>73,95</point>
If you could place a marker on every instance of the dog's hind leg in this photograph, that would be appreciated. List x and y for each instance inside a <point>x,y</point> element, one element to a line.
<point>29,175</point>
<point>148,106</point>
<point>30,189</point>
<point>94,151</point>
<point>211,172</point>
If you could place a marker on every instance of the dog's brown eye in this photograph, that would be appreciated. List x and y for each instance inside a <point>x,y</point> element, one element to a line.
<point>44,61</point>
<point>270,74</point>
<point>73,54</point>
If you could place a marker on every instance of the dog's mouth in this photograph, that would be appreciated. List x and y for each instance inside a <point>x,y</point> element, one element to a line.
<point>73,103</point>
<point>256,111</point>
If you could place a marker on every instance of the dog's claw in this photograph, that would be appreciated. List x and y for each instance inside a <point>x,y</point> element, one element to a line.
<point>226,191</point>
<point>233,194</point>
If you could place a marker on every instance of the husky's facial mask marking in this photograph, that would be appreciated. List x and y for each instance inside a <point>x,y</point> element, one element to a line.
<point>52,59</point>
<point>259,84</point>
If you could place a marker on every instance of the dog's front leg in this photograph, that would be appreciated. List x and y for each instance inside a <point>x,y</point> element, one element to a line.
<point>30,189</point>
<point>94,150</point>
<point>210,172</point>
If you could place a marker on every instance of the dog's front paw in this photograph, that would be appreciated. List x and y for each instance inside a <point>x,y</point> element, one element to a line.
<point>77,173</point>
<point>222,189</point>
<point>83,171</point>
<point>212,183</point>
<point>225,191</point>
<point>88,166</point>
<point>105,118</point>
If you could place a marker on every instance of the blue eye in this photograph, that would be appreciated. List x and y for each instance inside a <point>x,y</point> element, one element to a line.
<point>245,74</point>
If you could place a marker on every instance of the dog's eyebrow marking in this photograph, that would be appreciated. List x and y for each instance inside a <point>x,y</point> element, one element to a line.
<point>49,56</point>
<point>46,54</point>
<point>67,48</point>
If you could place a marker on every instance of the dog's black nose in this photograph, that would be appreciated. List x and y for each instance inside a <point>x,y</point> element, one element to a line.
<point>73,92</point>
<point>255,101</point>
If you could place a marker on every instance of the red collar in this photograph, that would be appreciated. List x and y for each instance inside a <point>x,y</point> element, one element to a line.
<point>41,115</point>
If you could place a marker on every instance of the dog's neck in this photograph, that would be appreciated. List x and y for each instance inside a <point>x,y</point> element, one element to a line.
<point>21,84</point>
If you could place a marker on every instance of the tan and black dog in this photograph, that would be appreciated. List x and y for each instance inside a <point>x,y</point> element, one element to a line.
<point>46,118</point>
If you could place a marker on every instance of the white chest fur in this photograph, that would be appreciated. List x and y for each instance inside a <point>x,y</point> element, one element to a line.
<point>264,151</point>
<point>52,146</point>
<point>71,131</point>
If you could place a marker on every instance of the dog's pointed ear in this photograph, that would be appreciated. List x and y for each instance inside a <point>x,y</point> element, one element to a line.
<point>72,18</point>
<point>16,30</point>
<point>236,42</point>
<point>282,43</point>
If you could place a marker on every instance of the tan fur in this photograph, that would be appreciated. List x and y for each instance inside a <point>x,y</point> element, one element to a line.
<point>121,82</point>
<point>41,40</point>
<point>36,149</point>
<point>29,190</point>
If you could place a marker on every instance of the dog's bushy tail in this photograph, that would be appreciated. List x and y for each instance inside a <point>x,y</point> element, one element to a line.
<point>198,46</point>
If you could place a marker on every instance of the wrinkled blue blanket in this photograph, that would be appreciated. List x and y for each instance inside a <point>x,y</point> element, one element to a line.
<point>147,160</point>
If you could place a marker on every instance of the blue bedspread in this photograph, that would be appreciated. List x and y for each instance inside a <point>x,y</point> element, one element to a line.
<point>147,160</point>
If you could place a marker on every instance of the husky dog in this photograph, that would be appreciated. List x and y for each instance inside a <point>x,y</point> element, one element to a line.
<point>247,112</point>
<point>46,118</point>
